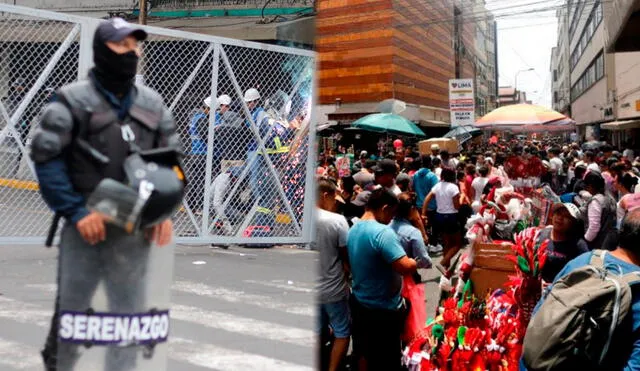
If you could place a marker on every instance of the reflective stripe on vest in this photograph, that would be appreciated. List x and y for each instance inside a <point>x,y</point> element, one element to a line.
<point>279,148</point>
<point>263,210</point>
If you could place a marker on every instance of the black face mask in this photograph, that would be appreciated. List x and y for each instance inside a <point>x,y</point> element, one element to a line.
<point>115,72</point>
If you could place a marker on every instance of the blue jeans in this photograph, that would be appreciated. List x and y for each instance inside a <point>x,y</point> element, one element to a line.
<point>338,316</point>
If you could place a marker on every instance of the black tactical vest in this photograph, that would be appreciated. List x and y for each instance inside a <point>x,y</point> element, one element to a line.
<point>97,122</point>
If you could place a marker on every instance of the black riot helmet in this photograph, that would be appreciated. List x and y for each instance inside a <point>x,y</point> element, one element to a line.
<point>152,193</point>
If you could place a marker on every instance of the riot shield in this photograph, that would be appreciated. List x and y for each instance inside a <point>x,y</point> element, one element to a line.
<point>114,301</point>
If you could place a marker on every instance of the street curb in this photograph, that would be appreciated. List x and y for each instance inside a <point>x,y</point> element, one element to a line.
<point>19,184</point>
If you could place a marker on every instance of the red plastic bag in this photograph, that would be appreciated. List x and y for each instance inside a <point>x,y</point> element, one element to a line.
<point>417,316</point>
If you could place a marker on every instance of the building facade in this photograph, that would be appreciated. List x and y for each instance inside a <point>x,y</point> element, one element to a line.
<point>604,74</point>
<point>508,95</point>
<point>408,50</point>
<point>560,69</point>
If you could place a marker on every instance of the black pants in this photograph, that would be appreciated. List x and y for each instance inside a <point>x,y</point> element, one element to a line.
<point>434,233</point>
<point>376,336</point>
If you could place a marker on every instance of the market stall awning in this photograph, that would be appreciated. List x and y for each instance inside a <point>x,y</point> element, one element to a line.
<point>388,123</point>
<point>434,124</point>
<point>621,125</point>
<point>326,125</point>
<point>515,115</point>
<point>355,108</point>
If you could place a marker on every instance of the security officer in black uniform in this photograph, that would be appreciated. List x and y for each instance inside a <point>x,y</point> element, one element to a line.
<point>90,121</point>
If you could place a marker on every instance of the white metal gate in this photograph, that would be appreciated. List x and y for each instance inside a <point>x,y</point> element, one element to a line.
<point>41,51</point>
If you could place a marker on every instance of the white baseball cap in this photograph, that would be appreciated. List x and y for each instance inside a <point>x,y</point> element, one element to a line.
<point>573,210</point>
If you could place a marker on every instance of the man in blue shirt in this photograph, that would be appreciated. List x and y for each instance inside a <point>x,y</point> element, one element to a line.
<point>378,263</point>
<point>423,181</point>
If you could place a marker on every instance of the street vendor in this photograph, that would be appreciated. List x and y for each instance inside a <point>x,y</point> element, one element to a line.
<point>565,239</point>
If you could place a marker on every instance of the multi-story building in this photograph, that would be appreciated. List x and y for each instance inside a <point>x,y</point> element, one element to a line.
<point>592,71</point>
<point>604,76</point>
<point>508,95</point>
<point>485,60</point>
<point>492,64</point>
<point>370,51</point>
<point>622,34</point>
<point>560,70</point>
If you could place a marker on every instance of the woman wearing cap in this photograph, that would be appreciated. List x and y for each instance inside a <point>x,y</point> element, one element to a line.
<point>565,239</point>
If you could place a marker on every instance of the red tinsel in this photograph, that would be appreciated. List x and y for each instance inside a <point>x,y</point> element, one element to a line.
<point>485,334</point>
<point>518,167</point>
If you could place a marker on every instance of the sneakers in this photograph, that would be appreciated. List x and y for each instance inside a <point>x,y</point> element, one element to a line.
<point>435,249</point>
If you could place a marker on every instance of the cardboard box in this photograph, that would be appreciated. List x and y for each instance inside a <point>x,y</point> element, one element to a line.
<point>491,269</point>
<point>448,144</point>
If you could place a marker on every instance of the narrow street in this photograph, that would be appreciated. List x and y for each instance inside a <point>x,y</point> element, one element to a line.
<point>241,309</point>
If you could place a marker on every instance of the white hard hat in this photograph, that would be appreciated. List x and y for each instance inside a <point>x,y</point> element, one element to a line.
<point>224,99</point>
<point>251,95</point>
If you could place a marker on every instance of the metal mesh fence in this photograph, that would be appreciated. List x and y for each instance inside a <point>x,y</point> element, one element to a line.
<point>246,162</point>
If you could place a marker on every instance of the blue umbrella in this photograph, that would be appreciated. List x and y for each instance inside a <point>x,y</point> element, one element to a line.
<point>388,123</point>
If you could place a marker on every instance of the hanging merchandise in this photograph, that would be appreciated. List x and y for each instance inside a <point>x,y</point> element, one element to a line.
<point>483,333</point>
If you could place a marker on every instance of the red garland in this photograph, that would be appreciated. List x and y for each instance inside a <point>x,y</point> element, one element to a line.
<point>462,339</point>
<point>518,167</point>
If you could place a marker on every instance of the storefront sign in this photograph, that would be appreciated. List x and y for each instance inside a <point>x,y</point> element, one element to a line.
<point>461,102</point>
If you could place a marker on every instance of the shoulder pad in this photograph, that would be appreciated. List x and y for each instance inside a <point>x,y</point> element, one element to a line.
<point>148,98</point>
<point>57,118</point>
<point>147,107</point>
<point>54,133</point>
<point>81,95</point>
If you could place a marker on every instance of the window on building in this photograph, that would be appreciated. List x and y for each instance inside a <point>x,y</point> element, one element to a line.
<point>594,20</point>
<point>555,97</point>
<point>600,67</point>
<point>555,75</point>
<point>591,75</point>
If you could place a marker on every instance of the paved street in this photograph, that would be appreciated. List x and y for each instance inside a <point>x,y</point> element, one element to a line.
<point>242,309</point>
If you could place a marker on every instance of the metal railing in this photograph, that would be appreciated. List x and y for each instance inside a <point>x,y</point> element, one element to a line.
<point>240,191</point>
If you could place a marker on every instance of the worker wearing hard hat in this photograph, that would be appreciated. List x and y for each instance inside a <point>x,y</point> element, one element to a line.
<point>263,183</point>
<point>199,133</point>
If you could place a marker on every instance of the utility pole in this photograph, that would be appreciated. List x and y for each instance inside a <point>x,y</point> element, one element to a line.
<point>142,18</point>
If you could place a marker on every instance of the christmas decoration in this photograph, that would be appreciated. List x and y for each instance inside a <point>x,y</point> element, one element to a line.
<point>480,334</point>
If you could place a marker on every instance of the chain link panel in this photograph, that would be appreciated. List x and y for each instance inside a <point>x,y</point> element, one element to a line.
<point>246,162</point>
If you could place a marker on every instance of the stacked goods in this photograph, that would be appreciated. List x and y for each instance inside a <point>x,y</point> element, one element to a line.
<point>448,144</point>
